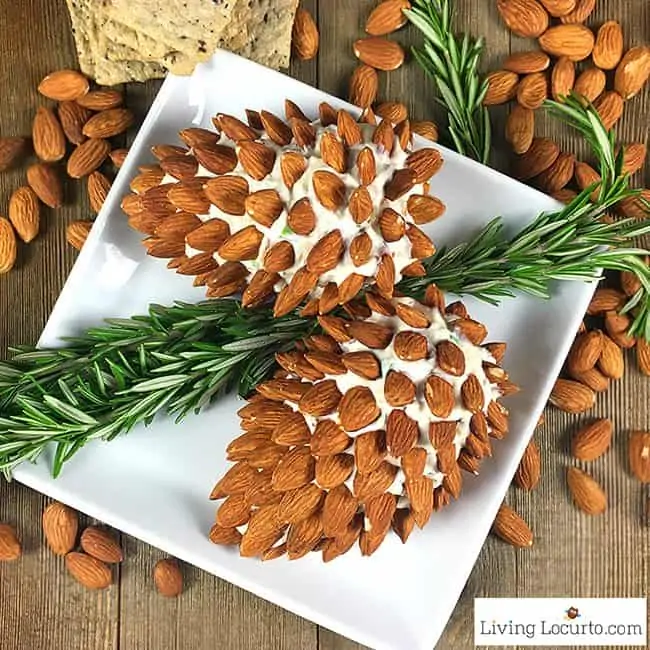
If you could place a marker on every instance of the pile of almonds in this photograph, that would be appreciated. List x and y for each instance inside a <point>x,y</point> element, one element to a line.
<point>375,53</point>
<point>80,130</point>
<point>89,556</point>
<point>530,77</point>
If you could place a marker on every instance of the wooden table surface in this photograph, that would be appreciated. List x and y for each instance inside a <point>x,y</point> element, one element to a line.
<point>40,605</point>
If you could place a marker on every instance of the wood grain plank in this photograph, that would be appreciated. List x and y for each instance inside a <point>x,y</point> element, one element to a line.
<point>40,605</point>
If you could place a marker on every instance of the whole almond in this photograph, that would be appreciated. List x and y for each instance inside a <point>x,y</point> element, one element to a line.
<point>532,90</point>
<point>87,157</point>
<point>634,156</point>
<point>529,469</point>
<point>501,87</point>
<point>305,36</point>
<point>388,16</point>
<point>10,548</point>
<point>101,100</point>
<point>632,72</point>
<point>643,356</point>
<point>73,117</point>
<point>60,527</point>
<point>583,10</point>
<point>77,232</point>
<point>610,108</point>
<point>639,454</point>
<point>527,62</point>
<point>563,79</point>
<point>608,49</point>
<point>118,156</point>
<point>395,112</point>
<point>8,246</point>
<point>425,129</point>
<point>587,176</point>
<point>585,351</point>
<point>108,123</point>
<point>64,85</point>
<point>592,440</point>
<point>636,207</point>
<point>576,42</point>
<point>558,175</point>
<point>590,83</point>
<point>10,150</point>
<point>101,545</point>
<point>520,128</point>
<point>592,378</point>
<point>539,157</point>
<point>511,528</point>
<point>363,86</point>
<point>98,188</point>
<point>586,492</point>
<point>572,396</point>
<point>559,8</point>
<point>630,283</point>
<point>168,578</point>
<point>47,136</point>
<point>379,53</point>
<point>611,362</point>
<point>88,571</point>
<point>604,300</point>
<point>525,18</point>
<point>24,213</point>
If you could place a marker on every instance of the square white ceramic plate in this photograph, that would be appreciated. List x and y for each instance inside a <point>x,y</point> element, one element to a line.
<point>154,483</point>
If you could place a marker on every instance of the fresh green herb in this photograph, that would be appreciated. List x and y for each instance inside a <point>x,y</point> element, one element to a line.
<point>174,360</point>
<point>452,61</point>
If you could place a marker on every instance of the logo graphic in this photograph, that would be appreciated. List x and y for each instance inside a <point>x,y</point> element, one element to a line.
<point>572,613</point>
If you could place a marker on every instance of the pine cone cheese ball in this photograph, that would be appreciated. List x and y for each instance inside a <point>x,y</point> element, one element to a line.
<point>289,210</point>
<point>366,428</point>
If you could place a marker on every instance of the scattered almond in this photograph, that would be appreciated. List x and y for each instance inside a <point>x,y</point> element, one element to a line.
<point>632,72</point>
<point>634,156</point>
<point>604,300</point>
<point>532,90</point>
<point>77,232</point>
<point>88,571</point>
<point>572,396</point>
<point>87,157</point>
<point>525,18</point>
<point>168,578</point>
<point>73,117</point>
<point>118,156</point>
<point>608,49</point>
<point>98,188</point>
<point>10,150</point>
<point>101,100</point>
<point>64,85</point>
<point>511,528</point>
<point>520,128</point>
<point>47,136</point>
<point>501,87</point>
<point>610,108</point>
<point>60,526</point>
<point>583,10</point>
<point>530,467</point>
<point>101,545</point>
<point>363,86</point>
<point>563,79</point>
<point>611,362</point>
<point>586,492</point>
<point>558,175</point>
<point>527,62</point>
<point>425,129</point>
<point>24,213</point>
<point>639,454</point>
<point>10,548</point>
<point>8,246</point>
<point>558,8</point>
<point>108,123</point>
<point>592,440</point>
<point>388,16</point>
<point>379,53</point>
<point>590,83</point>
<point>574,41</point>
<point>539,157</point>
<point>305,37</point>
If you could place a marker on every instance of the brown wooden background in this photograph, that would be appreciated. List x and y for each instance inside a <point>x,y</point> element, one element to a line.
<point>42,608</point>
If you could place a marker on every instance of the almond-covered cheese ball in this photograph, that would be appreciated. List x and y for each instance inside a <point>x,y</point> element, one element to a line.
<point>366,428</point>
<point>298,209</point>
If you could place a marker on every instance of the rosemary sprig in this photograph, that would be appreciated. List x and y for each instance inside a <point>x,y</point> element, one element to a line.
<point>452,61</point>
<point>175,360</point>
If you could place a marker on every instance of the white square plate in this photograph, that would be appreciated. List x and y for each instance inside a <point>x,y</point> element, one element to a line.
<point>154,483</point>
